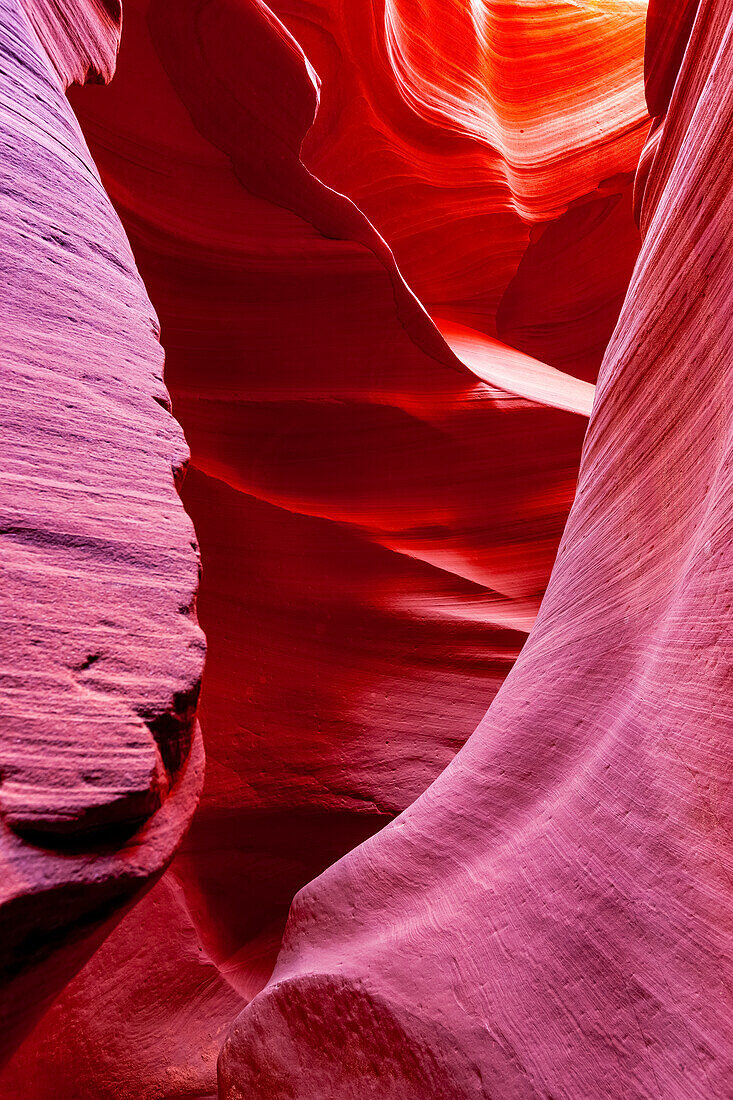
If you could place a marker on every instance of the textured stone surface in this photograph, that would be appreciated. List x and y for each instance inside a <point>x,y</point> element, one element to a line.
<point>144,1019</point>
<point>101,654</point>
<point>385,401</point>
<point>377,516</point>
<point>553,916</point>
<point>460,129</point>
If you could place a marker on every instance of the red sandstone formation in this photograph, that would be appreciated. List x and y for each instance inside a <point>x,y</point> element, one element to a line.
<point>101,652</point>
<point>553,916</point>
<point>454,128</point>
<point>385,397</point>
<point>377,521</point>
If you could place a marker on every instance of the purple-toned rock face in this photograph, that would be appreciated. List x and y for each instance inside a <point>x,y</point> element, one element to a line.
<point>101,654</point>
<point>389,243</point>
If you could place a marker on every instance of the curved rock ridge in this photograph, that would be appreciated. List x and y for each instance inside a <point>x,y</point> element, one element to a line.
<point>378,494</point>
<point>564,300</point>
<point>669,23</point>
<point>521,80</point>
<point>458,127</point>
<point>80,40</point>
<point>553,916</point>
<point>377,519</point>
<point>377,515</point>
<point>144,1018</point>
<point>101,653</point>
<point>668,33</point>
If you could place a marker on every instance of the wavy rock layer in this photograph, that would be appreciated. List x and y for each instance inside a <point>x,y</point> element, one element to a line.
<point>553,916</point>
<point>377,516</point>
<point>378,501</point>
<point>459,127</point>
<point>379,491</point>
<point>101,656</point>
<point>144,1019</point>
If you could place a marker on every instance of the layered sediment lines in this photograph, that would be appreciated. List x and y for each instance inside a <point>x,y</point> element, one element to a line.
<point>101,654</point>
<point>553,916</point>
<point>459,129</point>
<point>385,396</point>
<point>378,515</point>
<point>378,500</point>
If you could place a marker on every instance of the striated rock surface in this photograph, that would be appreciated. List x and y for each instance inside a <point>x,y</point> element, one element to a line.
<point>385,398</point>
<point>378,501</point>
<point>101,655</point>
<point>378,495</point>
<point>553,916</point>
<point>458,128</point>
<point>377,516</point>
<point>144,1019</point>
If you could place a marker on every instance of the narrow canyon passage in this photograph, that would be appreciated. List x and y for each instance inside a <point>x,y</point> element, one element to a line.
<point>388,245</point>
